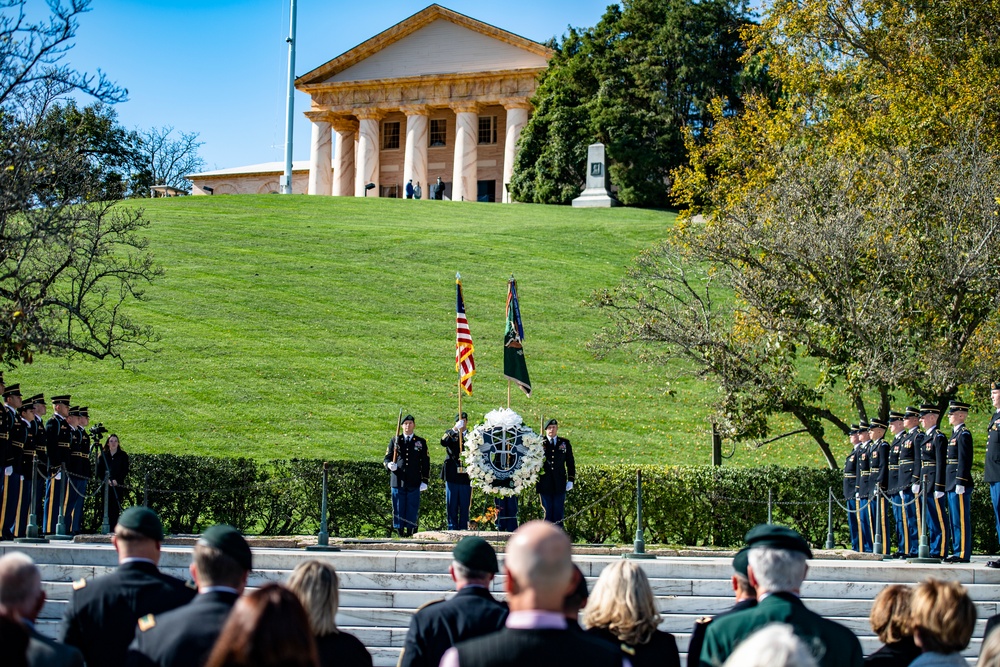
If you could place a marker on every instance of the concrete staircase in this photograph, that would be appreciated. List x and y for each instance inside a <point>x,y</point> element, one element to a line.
<point>381,589</point>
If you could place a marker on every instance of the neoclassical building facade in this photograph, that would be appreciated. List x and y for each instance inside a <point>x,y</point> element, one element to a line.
<point>438,95</point>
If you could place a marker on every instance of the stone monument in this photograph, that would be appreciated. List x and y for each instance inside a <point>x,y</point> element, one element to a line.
<point>596,195</point>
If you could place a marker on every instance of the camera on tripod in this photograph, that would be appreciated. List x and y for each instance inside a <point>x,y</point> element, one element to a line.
<point>97,431</point>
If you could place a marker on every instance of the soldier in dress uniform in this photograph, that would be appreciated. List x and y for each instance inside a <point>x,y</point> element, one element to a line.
<point>27,460</point>
<point>41,451</point>
<point>746,598</point>
<point>472,612</point>
<point>933,450</point>
<point>909,478</point>
<point>409,466</point>
<point>11,501</point>
<point>864,486</point>
<point>184,637</point>
<point>80,468</point>
<point>879,480</point>
<point>557,475</point>
<point>894,486</point>
<point>958,483</point>
<point>11,458</point>
<point>457,486</point>
<point>850,492</point>
<point>102,613</point>
<point>991,473</point>
<point>59,447</point>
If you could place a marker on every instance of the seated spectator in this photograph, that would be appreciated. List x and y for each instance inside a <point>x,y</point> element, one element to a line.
<point>942,618</point>
<point>989,654</point>
<point>890,619</point>
<point>774,645</point>
<point>267,628</point>
<point>316,585</point>
<point>622,610</point>
<point>576,600</point>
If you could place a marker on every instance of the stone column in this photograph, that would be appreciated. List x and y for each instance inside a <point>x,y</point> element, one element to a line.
<point>343,157</point>
<point>517,118</point>
<point>415,159</point>
<point>366,168</point>
<point>463,186</point>
<point>320,171</point>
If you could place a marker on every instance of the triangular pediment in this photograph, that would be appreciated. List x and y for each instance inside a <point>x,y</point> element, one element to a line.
<point>433,41</point>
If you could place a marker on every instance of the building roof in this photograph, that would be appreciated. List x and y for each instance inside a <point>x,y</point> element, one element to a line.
<point>262,168</point>
<point>324,73</point>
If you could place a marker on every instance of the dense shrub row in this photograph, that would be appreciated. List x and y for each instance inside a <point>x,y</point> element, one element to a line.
<point>681,505</point>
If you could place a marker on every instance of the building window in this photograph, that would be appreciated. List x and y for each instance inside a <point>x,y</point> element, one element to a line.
<point>487,129</point>
<point>390,136</point>
<point>439,129</point>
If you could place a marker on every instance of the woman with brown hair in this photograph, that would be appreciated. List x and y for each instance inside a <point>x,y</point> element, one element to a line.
<point>318,589</point>
<point>267,628</point>
<point>890,619</point>
<point>622,610</point>
<point>113,461</point>
<point>942,617</point>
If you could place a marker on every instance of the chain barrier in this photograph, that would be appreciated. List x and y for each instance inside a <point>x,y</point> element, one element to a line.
<point>763,502</point>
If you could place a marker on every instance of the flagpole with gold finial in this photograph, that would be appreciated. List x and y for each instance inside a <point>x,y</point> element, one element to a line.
<point>458,367</point>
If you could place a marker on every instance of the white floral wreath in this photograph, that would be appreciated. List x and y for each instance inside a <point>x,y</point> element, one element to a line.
<point>530,455</point>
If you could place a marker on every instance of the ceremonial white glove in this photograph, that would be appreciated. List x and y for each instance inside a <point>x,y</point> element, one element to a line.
<point>857,496</point>
<point>22,478</point>
<point>8,471</point>
<point>959,489</point>
<point>938,495</point>
<point>569,485</point>
<point>58,476</point>
<point>901,493</point>
<point>423,487</point>
<point>915,489</point>
<point>392,466</point>
<point>460,424</point>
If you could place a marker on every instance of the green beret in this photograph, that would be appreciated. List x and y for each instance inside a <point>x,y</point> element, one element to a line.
<point>476,553</point>
<point>143,521</point>
<point>551,422</point>
<point>229,541</point>
<point>777,537</point>
<point>408,418</point>
<point>741,560</point>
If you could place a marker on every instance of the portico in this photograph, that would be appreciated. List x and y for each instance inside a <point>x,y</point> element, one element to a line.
<point>439,95</point>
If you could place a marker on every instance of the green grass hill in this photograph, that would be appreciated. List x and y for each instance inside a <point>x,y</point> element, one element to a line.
<point>299,326</point>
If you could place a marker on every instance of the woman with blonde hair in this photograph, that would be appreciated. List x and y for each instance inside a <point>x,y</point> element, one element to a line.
<point>316,585</point>
<point>621,609</point>
<point>942,617</point>
<point>890,619</point>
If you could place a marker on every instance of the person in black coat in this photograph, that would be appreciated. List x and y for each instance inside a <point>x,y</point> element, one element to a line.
<point>185,636</point>
<point>102,612</point>
<point>472,612</point>
<point>557,475</point>
<point>991,472</point>
<point>457,486</point>
<point>113,460</point>
<point>746,597</point>
<point>890,619</point>
<point>409,466</point>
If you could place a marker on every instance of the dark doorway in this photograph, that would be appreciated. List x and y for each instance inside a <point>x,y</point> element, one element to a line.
<point>486,191</point>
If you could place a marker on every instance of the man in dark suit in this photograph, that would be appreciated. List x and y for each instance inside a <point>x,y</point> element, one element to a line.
<point>185,636</point>
<point>457,486</point>
<point>958,483</point>
<point>539,573</point>
<point>102,613</point>
<point>777,567</point>
<point>409,466</point>
<point>473,612</point>
<point>746,598</point>
<point>557,475</point>
<point>22,598</point>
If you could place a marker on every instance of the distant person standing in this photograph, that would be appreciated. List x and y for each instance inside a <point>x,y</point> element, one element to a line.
<point>558,473</point>
<point>113,459</point>
<point>409,466</point>
<point>417,192</point>
<point>409,189</point>
<point>991,474</point>
<point>439,189</point>
<point>457,486</point>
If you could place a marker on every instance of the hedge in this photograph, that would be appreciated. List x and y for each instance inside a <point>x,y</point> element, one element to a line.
<point>694,505</point>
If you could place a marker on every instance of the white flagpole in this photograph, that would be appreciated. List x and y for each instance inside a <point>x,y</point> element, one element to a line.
<point>286,185</point>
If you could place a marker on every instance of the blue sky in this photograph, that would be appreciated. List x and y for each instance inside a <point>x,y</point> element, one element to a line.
<point>218,67</point>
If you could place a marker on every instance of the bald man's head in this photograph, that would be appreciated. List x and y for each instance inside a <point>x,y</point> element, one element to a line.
<point>21,592</point>
<point>539,567</point>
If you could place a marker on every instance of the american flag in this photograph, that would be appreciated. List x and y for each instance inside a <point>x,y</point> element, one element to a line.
<point>465,364</point>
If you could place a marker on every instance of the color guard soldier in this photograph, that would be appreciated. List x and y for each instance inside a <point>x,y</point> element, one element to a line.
<point>409,466</point>
<point>958,483</point>
<point>41,451</point>
<point>851,488</point>
<point>28,459</point>
<point>10,504</point>
<point>933,450</point>
<point>909,479</point>
<point>557,475</point>
<point>59,448</point>
<point>457,486</point>
<point>894,486</point>
<point>864,486</point>
<point>991,473</point>
<point>879,481</point>
<point>11,456</point>
<point>80,469</point>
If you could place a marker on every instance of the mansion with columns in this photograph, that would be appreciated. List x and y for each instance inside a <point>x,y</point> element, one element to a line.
<point>438,95</point>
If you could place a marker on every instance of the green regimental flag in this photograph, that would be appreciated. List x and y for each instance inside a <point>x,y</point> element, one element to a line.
<point>515,368</point>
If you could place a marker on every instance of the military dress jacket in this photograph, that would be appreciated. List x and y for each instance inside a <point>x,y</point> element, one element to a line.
<point>16,445</point>
<point>414,464</point>
<point>909,460</point>
<point>79,460</point>
<point>892,485</point>
<point>851,474</point>
<point>701,625</point>
<point>438,626</point>
<point>991,473</point>
<point>958,466</point>
<point>879,457</point>
<point>864,469</point>
<point>831,644</point>
<point>933,450</point>
<point>183,637</point>
<point>102,613</point>
<point>453,468</point>
<point>559,467</point>
<point>58,442</point>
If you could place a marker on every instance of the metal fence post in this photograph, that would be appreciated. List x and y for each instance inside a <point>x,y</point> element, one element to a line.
<point>32,535</point>
<point>323,539</point>
<point>770,501</point>
<point>640,541</point>
<point>145,489</point>
<point>829,520</point>
<point>106,523</point>
<point>61,532</point>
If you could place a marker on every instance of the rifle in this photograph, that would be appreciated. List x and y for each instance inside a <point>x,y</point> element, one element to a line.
<point>395,441</point>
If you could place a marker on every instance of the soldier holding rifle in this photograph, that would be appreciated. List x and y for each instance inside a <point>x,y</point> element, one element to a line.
<point>409,468</point>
